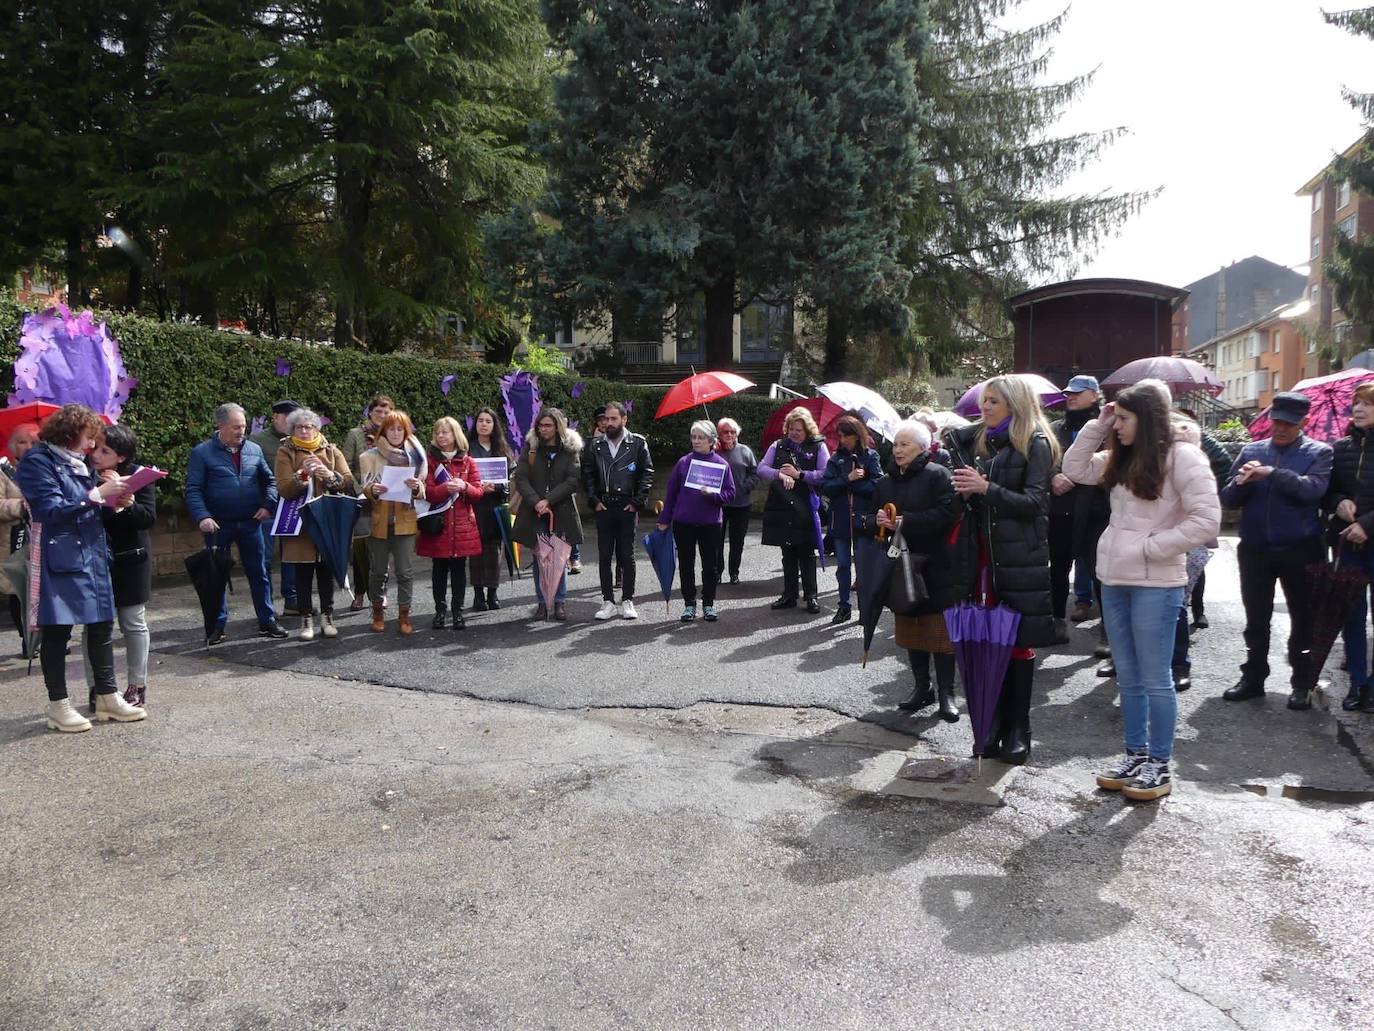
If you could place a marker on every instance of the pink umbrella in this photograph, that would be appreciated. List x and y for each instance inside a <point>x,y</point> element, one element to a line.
<point>1049,394</point>
<point>1182,375</point>
<point>551,553</point>
<point>1329,417</point>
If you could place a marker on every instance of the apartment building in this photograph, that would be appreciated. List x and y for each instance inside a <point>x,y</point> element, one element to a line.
<point>1260,358</point>
<point>1232,297</point>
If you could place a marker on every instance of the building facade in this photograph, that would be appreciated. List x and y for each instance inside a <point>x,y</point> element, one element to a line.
<point>1232,297</point>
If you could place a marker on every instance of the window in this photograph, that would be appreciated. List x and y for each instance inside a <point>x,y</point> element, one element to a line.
<point>1274,383</point>
<point>1343,195</point>
<point>1346,227</point>
<point>1313,292</point>
<point>1278,340</point>
<point>1317,197</point>
<point>1316,246</point>
<point>1312,345</point>
<point>1342,331</point>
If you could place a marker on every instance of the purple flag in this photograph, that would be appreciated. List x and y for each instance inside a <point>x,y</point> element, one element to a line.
<point>283,367</point>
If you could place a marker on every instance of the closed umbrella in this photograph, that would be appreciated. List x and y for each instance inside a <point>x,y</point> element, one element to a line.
<point>875,411</point>
<point>1180,375</point>
<point>700,389</point>
<point>662,552</point>
<point>1332,591</point>
<point>1049,394</point>
<point>329,520</point>
<point>209,570</point>
<point>17,568</point>
<point>983,639</point>
<point>551,553</point>
<point>504,522</point>
<point>872,571</point>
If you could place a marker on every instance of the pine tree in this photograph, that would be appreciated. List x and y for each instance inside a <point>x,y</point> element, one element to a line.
<point>731,151</point>
<point>1350,266</point>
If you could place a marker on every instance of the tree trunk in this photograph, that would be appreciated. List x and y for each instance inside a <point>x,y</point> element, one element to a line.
<point>354,213</point>
<point>498,345</point>
<point>836,362</point>
<point>720,323</point>
<point>133,287</point>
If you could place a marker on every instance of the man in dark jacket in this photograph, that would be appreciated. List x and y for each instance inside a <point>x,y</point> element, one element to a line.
<point>1278,484</point>
<point>230,491</point>
<point>1079,513</point>
<point>617,474</point>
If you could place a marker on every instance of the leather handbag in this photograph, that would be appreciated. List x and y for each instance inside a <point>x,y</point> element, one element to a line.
<point>431,525</point>
<point>906,586</point>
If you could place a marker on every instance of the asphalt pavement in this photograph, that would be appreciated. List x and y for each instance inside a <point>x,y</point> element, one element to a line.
<point>655,824</point>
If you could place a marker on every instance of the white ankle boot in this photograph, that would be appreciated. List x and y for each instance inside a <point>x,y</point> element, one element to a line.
<point>327,626</point>
<point>113,707</point>
<point>307,628</point>
<point>61,716</point>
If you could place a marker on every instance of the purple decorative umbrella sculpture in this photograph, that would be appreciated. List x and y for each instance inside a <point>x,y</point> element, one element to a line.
<point>70,359</point>
<point>983,639</point>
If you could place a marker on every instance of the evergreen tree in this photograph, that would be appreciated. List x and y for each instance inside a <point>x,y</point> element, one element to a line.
<point>730,150</point>
<point>1350,266</point>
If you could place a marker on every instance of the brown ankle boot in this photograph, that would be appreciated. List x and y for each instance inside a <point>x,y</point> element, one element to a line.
<point>378,618</point>
<point>403,621</point>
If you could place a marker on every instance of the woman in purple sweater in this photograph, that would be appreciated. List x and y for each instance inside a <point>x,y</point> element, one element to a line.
<point>692,506</point>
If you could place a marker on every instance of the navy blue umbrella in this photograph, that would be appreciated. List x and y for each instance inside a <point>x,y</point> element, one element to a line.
<point>329,520</point>
<point>662,551</point>
<point>872,571</point>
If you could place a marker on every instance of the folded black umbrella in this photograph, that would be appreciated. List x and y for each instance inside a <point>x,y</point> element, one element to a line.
<point>872,573</point>
<point>1332,591</point>
<point>209,571</point>
<point>329,520</point>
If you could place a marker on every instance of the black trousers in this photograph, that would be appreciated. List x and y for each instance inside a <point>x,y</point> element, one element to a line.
<point>52,656</point>
<point>615,547</point>
<point>1259,569</point>
<point>307,573</point>
<point>1199,589</point>
<point>445,571</point>
<point>692,541</point>
<point>798,562</point>
<point>1065,551</point>
<point>733,529</point>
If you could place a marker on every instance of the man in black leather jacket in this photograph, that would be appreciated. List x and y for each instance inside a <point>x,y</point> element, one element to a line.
<point>617,474</point>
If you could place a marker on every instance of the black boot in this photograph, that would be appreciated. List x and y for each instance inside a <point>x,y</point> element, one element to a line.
<point>479,601</point>
<point>923,694</point>
<point>492,603</point>
<point>944,677</point>
<point>1351,702</point>
<point>1367,698</point>
<point>1016,739</point>
<point>458,621</point>
<point>439,614</point>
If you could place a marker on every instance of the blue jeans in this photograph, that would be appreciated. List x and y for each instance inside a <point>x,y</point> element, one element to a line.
<point>247,534</point>
<point>1082,583</point>
<point>288,569</point>
<point>558,596</point>
<point>844,565</point>
<point>1141,622</point>
<point>1355,633</point>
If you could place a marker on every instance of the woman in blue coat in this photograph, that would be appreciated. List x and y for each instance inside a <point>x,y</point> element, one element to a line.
<point>851,476</point>
<point>73,558</point>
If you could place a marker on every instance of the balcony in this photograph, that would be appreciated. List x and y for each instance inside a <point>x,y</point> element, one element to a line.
<point>640,352</point>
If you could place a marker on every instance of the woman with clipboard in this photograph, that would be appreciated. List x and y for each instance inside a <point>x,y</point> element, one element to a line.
<point>489,442</point>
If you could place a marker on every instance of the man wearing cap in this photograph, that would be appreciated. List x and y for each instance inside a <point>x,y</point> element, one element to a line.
<point>1079,513</point>
<point>1278,484</point>
<point>269,438</point>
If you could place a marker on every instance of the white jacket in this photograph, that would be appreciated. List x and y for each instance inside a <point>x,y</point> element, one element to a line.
<point>1147,542</point>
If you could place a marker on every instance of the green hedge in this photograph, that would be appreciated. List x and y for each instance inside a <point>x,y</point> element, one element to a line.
<point>184,371</point>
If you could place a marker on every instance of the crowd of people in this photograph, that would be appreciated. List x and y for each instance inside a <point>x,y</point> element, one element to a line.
<point>1116,506</point>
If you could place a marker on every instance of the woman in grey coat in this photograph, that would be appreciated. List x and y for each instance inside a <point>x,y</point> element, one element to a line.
<point>744,470</point>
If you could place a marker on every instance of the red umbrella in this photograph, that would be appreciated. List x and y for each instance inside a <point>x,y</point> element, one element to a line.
<point>1181,375</point>
<point>825,412</point>
<point>1329,417</point>
<point>10,418</point>
<point>700,389</point>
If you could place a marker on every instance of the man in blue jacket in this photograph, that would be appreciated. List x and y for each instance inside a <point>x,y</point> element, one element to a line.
<point>1278,484</point>
<point>230,491</point>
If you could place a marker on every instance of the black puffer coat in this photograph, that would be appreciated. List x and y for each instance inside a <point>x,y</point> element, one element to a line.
<point>1086,506</point>
<point>1012,521</point>
<point>924,495</point>
<point>1352,479</point>
<point>789,516</point>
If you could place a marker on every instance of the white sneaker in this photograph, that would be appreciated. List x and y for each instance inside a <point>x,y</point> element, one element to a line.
<point>327,627</point>
<point>627,610</point>
<point>608,610</point>
<point>61,716</point>
<point>113,707</point>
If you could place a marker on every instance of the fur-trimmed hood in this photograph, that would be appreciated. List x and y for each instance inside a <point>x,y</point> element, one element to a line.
<point>572,443</point>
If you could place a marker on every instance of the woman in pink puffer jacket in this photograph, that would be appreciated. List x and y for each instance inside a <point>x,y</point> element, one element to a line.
<point>1164,504</point>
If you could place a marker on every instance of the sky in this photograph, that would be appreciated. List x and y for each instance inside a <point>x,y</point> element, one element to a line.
<point>1231,106</point>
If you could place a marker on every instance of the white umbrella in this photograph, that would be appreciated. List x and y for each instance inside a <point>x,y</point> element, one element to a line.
<point>949,420</point>
<point>872,407</point>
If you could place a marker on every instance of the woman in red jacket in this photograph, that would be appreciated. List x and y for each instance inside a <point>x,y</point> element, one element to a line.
<point>452,474</point>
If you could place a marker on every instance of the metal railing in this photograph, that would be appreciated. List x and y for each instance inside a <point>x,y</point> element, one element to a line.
<point>640,352</point>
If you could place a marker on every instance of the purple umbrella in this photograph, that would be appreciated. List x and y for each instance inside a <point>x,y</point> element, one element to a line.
<point>1181,375</point>
<point>816,522</point>
<point>983,639</point>
<point>1049,394</point>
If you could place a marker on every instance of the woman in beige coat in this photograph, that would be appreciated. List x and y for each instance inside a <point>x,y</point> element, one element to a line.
<point>394,523</point>
<point>306,458</point>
